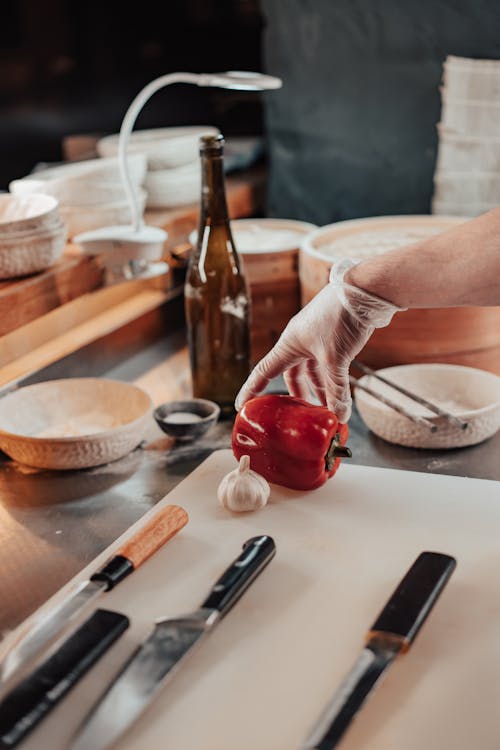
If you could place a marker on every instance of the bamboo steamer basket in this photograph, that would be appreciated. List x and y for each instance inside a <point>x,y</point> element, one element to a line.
<point>269,249</point>
<point>461,335</point>
<point>270,252</point>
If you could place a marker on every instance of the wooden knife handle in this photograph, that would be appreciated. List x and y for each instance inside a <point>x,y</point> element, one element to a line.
<point>151,537</point>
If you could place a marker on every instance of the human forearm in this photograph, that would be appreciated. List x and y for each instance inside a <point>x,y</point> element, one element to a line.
<point>459,267</point>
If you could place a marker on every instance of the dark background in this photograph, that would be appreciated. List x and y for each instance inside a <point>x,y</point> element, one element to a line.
<point>74,67</point>
<point>352,132</point>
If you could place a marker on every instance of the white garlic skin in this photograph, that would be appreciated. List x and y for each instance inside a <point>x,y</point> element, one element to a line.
<point>243,489</point>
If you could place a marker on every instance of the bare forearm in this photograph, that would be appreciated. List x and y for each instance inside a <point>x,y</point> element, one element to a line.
<point>459,267</point>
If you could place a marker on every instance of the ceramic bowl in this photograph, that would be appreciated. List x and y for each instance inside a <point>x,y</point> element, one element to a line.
<point>464,209</point>
<point>467,187</point>
<point>32,235</point>
<point>182,427</point>
<point>173,187</point>
<point>73,423</point>
<point>81,219</point>
<point>470,116</point>
<point>82,183</point>
<point>471,394</point>
<point>30,254</point>
<point>27,214</point>
<point>468,78</point>
<point>164,147</point>
<point>466,153</point>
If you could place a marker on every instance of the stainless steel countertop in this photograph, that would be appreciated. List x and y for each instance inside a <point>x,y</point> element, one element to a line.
<point>52,524</point>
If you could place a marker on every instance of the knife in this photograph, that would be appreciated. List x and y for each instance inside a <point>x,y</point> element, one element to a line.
<point>45,630</point>
<point>392,633</point>
<point>38,694</point>
<point>160,654</point>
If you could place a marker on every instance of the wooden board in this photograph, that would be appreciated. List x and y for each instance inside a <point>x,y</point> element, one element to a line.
<point>266,672</point>
<point>25,300</point>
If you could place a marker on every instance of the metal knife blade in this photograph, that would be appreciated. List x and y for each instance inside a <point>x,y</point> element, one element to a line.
<point>392,634</point>
<point>143,675</point>
<point>156,660</point>
<point>46,629</point>
<point>42,637</point>
<point>350,696</point>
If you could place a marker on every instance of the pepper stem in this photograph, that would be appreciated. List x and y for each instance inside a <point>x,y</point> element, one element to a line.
<point>336,451</point>
<point>244,464</point>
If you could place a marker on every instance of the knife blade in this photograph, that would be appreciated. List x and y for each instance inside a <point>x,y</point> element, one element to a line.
<point>45,631</point>
<point>161,654</point>
<point>392,634</point>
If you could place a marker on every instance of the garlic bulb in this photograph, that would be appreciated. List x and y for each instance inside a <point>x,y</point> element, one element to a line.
<point>243,489</point>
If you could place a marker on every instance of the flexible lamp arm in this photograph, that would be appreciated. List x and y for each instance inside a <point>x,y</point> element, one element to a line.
<point>232,79</point>
<point>127,126</point>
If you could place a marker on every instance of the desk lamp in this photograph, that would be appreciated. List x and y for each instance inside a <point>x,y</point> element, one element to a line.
<point>131,246</point>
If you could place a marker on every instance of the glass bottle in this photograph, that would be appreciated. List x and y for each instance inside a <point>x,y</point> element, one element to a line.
<point>216,295</point>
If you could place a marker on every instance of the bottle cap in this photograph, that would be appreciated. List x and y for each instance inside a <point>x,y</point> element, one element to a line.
<point>212,144</point>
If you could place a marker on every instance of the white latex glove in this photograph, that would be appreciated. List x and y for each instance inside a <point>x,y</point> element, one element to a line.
<point>319,343</point>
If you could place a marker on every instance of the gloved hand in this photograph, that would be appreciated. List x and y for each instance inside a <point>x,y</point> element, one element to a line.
<point>319,343</point>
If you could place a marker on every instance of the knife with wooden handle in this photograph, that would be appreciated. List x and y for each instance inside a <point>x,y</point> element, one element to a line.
<point>392,634</point>
<point>45,631</point>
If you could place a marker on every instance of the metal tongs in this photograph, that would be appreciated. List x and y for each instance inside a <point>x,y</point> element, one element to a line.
<point>451,418</point>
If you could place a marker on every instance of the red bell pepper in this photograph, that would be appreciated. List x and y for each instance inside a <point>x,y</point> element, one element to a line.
<point>290,441</point>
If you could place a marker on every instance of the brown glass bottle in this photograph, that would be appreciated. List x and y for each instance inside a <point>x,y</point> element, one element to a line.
<point>216,295</point>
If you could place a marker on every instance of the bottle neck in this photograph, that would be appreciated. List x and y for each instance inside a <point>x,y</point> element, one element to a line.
<point>213,196</point>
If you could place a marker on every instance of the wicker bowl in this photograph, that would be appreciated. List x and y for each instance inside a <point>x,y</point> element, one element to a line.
<point>32,235</point>
<point>73,423</point>
<point>469,393</point>
<point>27,214</point>
<point>23,256</point>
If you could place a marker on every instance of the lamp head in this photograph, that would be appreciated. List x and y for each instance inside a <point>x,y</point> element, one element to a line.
<point>242,80</point>
<point>126,253</point>
<point>130,251</point>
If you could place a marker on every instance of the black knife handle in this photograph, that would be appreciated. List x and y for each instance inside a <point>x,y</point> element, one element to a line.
<point>35,697</point>
<point>408,608</point>
<point>114,571</point>
<point>257,553</point>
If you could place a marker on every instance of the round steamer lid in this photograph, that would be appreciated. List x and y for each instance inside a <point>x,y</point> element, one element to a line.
<point>255,236</point>
<point>363,238</point>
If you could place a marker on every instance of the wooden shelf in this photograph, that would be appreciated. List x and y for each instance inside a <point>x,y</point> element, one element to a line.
<point>51,314</point>
<point>25,300</point>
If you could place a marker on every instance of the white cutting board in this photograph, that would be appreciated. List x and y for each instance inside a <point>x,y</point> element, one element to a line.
<point>260,680</point>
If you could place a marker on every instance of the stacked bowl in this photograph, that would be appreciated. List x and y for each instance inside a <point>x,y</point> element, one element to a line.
<point>467,175</point>
<point>173,162</point>
<point>90,193</point>
<point>32,235</point>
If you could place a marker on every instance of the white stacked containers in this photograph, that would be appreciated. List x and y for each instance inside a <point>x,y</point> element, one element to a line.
<point>90,193</point>
<point>467,175</point>
<point>173,175</point>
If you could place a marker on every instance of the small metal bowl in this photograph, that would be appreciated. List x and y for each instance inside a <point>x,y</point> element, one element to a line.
<point>185,431</point>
